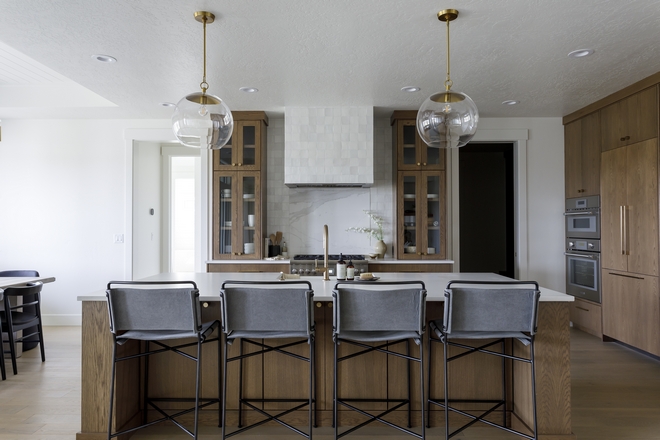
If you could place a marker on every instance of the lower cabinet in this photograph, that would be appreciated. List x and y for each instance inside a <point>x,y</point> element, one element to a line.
<point>631,309</point>
<point>248,267</point>
<point>587,316</point>
<point>417,268</point>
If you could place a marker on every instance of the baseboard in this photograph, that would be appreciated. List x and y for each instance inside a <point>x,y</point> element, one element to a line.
<point>61,320</point>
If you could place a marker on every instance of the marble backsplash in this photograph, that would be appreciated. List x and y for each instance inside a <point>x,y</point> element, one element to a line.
<point>300,213</point>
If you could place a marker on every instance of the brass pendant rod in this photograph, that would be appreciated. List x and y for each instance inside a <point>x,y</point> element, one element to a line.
<point>204,85</point>
<point>448,82</point>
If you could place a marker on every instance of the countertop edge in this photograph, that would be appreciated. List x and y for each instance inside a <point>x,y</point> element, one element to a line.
<point>370,261</point>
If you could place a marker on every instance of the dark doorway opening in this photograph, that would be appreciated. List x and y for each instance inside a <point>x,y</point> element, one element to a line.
<point>486,198</point>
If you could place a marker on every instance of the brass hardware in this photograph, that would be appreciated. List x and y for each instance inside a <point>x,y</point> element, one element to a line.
<point>582,308</point>
<point>419,253</point>
<point>424,164</point>
<point>233,164</point>
<point>240,164</point>
<point>330,304</point>
<point>325,269</point>
<point>319,305</point>
<point>418,163</point>
<point>625,230</point>
<point>205,304</point>
<point>447,15</point>
<point>623,252</point>
<point>626,276</point>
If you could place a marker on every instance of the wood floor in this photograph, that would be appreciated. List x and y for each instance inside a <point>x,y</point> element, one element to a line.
<point>616,395</point>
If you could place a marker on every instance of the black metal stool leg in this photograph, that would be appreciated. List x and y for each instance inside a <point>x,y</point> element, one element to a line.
<point>409,379</point>
<point>504,385</point>
<point>311,387</point>
<point>145,388</point>
<point>446,346</point>
<point>220,367</point>
<point>421,386</point>
<point>428,397</point>
<point>112,386</point>
<point>197,382</point>
<point>240,385</point>
<point>223,422</point>
<point>334,395</point>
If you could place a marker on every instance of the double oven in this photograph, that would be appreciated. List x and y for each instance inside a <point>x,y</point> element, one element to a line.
<point>583,276</point>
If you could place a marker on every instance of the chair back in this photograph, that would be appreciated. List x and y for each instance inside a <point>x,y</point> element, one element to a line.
<point>398,309</point>
<point>19,273</point>
<point>30,295</point>
<point>277,306</point>
<point>149,306</point>
<point>502,307</point>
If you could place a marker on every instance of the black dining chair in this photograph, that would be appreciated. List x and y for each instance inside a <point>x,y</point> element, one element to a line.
<point>3,371</point>
<point>27,345</point>
<point>25,316</point>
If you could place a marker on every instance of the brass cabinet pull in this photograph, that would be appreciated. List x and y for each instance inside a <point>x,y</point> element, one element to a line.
<point>233,164</point>
<point>319,305</point>
<point>424,164</point>
<point>240,164</point>
<point>418,163</point>
<point>626,276</point>
<point>330,304</point>
<point>623,252</point>
<point>205,304</point>
<point>625,231</point>
<point>581,308</point>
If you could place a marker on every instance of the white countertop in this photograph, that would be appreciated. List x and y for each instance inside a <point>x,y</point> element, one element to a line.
<point>209,284</point>
<point>370,261</point>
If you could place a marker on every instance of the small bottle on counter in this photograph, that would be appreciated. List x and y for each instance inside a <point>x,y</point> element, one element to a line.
<point>350,271</point>
<point>341,268</point>
<point>285,251</point>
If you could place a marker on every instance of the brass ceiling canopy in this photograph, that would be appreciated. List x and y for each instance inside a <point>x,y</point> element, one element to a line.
<point>448,15</point>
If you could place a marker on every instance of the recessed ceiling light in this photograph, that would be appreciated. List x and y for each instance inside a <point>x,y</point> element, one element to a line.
<point>104,58</point>
<point>581,53</point>
<point>510,102</point>
<point>168,104</point>
<point>249,89</point>
<point>410,89</point>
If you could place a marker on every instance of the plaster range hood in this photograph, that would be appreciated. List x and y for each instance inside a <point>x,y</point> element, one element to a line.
<point>328,146</point>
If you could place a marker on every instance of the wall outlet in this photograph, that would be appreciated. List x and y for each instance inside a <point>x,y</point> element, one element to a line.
<point>119,238</point>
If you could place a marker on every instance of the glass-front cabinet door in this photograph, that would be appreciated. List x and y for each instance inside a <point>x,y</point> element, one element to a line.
<point>237,215</point>
<point>421,215</point>
<point>243,151</point>
<point>413,153</point>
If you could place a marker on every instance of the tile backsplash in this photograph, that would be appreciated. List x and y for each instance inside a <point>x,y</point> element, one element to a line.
<point>300,213</point>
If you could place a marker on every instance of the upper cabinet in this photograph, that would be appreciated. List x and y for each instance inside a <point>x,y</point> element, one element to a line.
<point>420,200</point>
<point>582,156</point>
<point>239,196</point>
<point>630,120</point>
<point>244,150</point>
<point>411,152</point>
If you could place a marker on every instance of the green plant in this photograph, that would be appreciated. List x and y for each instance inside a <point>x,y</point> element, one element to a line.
<point>376,232</point>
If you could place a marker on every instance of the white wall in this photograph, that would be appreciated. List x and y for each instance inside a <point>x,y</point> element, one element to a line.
<point>63,196</point>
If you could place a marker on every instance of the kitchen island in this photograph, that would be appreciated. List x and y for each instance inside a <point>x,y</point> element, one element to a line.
<point>377,376</point>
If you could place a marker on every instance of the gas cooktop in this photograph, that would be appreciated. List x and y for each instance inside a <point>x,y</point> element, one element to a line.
<point>333,257</point>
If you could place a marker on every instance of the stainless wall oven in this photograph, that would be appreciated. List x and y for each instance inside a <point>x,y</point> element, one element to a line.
<point>583,268</point>
<point>583,217</point>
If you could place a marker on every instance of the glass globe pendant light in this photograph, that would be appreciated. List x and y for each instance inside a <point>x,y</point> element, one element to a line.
<point>201,120</point>
<point>447,119</point>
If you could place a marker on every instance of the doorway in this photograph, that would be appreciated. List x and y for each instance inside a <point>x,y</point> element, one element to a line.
<point>487,208</point>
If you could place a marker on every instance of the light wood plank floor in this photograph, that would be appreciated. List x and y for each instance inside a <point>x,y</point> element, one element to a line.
<point>616,395</point>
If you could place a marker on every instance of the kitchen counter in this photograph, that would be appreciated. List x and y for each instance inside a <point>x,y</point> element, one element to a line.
<point>209,284</point>
<point>553,386</point>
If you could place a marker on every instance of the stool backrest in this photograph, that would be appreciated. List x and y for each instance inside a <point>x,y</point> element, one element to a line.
<point>19,273</point>
<point>505,307</point>
<point>154,308</point>
<point>277,306</point>
<point>398,309</point>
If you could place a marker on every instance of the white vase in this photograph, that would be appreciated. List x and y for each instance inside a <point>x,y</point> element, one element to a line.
<point>380,248</point>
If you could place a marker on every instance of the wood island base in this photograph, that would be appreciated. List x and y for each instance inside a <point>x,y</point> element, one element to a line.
<point>371,375</point>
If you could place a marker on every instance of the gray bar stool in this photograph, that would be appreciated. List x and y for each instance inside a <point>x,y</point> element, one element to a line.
<point>255,310</point>
<point>155,312</point>
<point>385,315</point>
<point>490,314</point>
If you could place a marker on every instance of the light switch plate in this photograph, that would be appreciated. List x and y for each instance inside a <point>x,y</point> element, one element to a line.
<point>119,238</point>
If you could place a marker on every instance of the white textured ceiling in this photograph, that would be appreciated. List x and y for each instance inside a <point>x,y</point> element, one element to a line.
<point>322,53</point>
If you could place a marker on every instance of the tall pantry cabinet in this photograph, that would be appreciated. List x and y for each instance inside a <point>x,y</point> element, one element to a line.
<point>629,221</point>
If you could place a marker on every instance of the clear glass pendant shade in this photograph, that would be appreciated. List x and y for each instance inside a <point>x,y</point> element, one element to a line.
<point>447,120</point>
<point>201,120</point>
